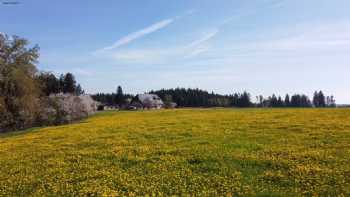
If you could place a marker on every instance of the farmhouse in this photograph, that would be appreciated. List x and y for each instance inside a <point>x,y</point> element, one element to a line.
<point>146,101</point>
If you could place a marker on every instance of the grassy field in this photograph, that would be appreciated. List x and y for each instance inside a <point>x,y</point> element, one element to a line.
<point>209,152</point>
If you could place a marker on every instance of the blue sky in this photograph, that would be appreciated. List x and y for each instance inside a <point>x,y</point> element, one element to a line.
<point>262,46</point>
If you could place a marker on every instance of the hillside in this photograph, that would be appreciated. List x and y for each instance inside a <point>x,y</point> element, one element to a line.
<point>207,152</point>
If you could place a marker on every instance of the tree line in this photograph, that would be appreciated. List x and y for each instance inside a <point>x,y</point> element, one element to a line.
<point>66,83</point>
<point>117,99</point>
<point>200,98</point>
<point>181,96</point>
<point>297,100</point>
<point>24,91</point>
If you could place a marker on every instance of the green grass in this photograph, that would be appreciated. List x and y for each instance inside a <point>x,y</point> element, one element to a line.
<point>203,152</point>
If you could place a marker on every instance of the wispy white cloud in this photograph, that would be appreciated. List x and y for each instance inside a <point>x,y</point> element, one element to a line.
<point>324,36</point>
<point>309,38</point>
<point>139,34</point>
<point>207,36</point>
<point>303,41</point>
<point>197,51</point>
<point>145,31</point>
<point>200,45</point>
<point>249,10</point>
<point>160,55</point>
<point>197,45</point>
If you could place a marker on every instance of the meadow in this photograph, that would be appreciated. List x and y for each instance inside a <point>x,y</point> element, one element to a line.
<point>196,152</point>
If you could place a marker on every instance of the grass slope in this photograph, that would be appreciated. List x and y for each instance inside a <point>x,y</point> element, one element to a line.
<point>265,152</point>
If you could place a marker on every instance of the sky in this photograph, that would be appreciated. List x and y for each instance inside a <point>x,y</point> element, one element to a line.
<point>225,46</point>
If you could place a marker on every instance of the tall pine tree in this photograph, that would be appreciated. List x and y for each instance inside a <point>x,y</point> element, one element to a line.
<point>69,83</point>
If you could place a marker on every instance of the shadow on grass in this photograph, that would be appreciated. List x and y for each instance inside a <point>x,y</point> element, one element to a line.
<point>15,133</point>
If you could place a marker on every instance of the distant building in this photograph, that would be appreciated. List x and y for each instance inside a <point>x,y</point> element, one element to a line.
<point>146,101</point>
<point>172,105</point>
